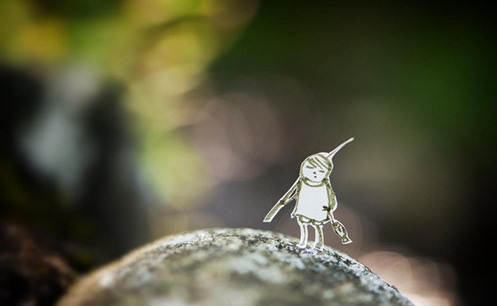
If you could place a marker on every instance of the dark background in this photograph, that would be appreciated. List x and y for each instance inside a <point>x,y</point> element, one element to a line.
<point>123,121</point>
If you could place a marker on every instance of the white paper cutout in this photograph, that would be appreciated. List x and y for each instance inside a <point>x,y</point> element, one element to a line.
<point>315,199</point>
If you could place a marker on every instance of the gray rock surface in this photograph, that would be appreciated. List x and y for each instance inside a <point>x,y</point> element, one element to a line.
<point>232,267</point>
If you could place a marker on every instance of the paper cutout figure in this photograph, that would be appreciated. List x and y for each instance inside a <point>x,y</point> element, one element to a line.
<point>315,199</point>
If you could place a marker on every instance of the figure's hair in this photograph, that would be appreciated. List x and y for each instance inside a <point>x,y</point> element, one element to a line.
<point>319,160</point>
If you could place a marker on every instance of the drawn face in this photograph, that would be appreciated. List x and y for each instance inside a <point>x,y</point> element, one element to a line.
<point>313,172</point>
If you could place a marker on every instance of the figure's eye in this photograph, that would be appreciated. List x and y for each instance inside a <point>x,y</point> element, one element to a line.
<point>309,167</point>
<point>322,171</point>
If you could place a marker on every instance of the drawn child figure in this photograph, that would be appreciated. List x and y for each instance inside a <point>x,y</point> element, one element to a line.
<point>315,199</point>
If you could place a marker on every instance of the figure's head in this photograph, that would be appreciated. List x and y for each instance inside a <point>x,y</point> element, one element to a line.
<point>316,168</point>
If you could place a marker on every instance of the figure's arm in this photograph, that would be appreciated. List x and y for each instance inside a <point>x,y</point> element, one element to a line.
<point>332,199</point>
<point>285,199</point>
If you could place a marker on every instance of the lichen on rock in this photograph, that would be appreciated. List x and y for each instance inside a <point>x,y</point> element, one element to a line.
<point>232,267</point>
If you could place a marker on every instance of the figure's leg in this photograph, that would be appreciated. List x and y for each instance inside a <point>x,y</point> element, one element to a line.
<point>319,237</point>
<point>303,233</point>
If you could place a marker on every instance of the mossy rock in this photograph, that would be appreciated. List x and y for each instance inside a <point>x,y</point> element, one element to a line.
<point>232,267</point>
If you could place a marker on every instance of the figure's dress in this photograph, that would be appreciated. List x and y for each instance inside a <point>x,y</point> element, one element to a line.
<point>310,201</point>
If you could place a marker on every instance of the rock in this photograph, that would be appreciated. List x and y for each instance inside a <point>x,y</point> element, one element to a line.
<point>232,267</point>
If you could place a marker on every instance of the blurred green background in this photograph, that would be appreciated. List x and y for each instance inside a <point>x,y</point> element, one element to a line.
<point>126,120</point>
